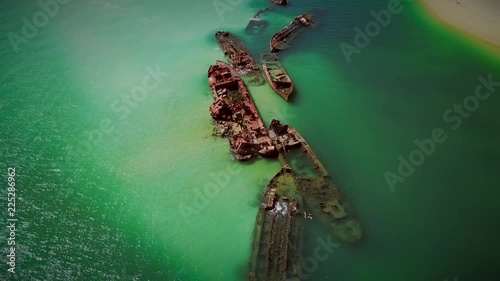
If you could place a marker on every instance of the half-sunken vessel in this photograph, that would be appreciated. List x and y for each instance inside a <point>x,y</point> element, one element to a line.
<point>235,114</point>
<point>256,24</point>
<point>284,37</point>
<point>321,196</point>
<point>280,2</point>
<point>276,75</point>
<point>239,56</point>
<point>278,234</point>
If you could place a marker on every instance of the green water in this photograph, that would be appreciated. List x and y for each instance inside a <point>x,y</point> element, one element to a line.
<point>154,196</point>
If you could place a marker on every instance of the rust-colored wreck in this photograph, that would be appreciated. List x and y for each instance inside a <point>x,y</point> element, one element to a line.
<point>236,115</point>
<point>239,56</point>
<point>284,37</point>
<point>321,196</point>
<point>276,75</point>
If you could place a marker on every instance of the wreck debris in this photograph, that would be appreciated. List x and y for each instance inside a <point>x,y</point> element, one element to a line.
<point>277,242</point>
<point>256,24</point>
<point>280,2</point>
<point>236,115</point>
<point>276,76</point>
<point>284,37</point>
<point>320,194</point>
<point>239,56</point>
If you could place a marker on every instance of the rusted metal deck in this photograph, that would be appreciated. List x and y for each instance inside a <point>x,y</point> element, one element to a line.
<point>236,115</point>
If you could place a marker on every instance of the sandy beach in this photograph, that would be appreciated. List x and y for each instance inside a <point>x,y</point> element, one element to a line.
<point>478,17</point>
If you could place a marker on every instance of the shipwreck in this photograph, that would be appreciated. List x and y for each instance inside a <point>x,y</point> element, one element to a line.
<point>321,195</point>
<point>284,37</point>
<point>239,56</point>
<point>278,235</point>
<point>280,2</point>
<point>236,116</point>
<point>276,75</point>
<point>256,24</point>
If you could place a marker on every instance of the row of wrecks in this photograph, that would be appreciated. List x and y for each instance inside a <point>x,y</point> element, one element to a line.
<point>302,185</point>
<point>274,71</point>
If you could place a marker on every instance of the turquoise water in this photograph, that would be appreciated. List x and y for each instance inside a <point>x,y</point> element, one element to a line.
<point>115,188</point>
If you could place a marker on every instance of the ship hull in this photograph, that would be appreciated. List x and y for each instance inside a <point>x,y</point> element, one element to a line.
<point>280,2</point>
<point>239,57</point>
<point>278,235</point>
<point>276,75</point>
<point>321,195</point>
<point>236,115</point>
<point>284,37</point>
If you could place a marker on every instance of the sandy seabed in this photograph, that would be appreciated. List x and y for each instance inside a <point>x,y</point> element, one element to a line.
<point>478,17</point>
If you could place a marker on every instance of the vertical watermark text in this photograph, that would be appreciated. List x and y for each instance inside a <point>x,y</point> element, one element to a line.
<point>11,219</point>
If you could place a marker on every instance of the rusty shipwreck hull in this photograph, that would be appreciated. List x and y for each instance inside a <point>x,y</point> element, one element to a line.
<point>239,56</point>
<point>284,37</point>
<point>276,75</point>
<point>236,116</point>
<point>278,235</point>
<point>321,195</point>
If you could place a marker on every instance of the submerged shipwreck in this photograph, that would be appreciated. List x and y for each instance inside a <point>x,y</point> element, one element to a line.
<point>295,190</point>
<point>256,24</point>
<point>277,242</point>
<point>280,2</point>
<point>321,195</point>
<point>239,56</point>
<point>284,37</point>
<point>236,115</point>
<point>276,75</point>
<point>303,184</point>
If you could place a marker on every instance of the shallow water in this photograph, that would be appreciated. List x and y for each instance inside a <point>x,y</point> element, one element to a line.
<point>112,187</point>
